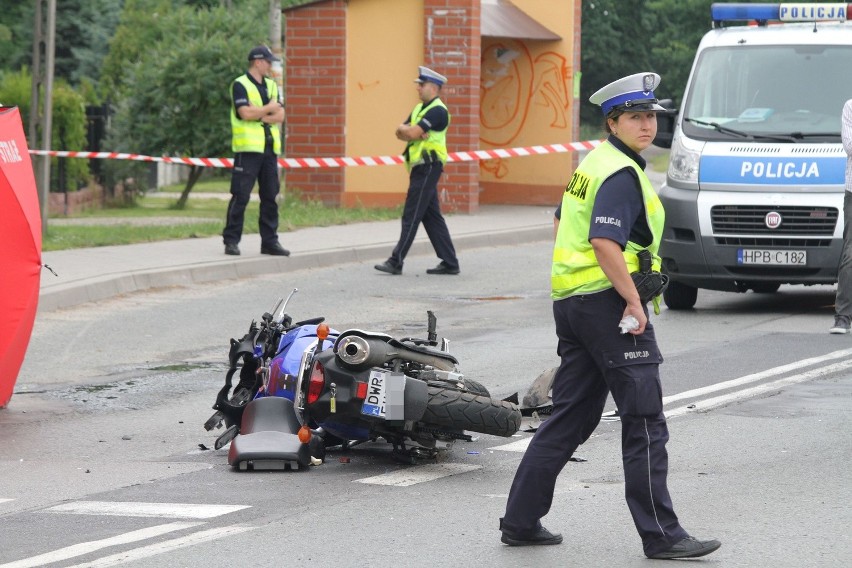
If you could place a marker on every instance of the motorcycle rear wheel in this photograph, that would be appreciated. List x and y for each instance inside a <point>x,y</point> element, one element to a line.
<point>460,410</point>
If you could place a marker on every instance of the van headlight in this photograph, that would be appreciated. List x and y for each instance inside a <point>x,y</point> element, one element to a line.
<point>683,162</point>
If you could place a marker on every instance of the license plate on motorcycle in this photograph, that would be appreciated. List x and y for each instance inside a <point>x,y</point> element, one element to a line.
<point>772,257</point>
<point>374,403</point>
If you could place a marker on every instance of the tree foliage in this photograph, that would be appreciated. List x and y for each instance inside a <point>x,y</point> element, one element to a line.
<point>15,48</point>
<point>612,46</point>
<point>621,37</point>
<point>175,94</point>
<point>68,130</point>
<point>83,28</point>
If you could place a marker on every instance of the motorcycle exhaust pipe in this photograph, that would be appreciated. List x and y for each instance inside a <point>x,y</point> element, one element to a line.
<point>360,351</point>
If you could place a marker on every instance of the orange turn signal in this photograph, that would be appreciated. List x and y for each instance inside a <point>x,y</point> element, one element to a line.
<point>304,434</point>
<point>322,331</point>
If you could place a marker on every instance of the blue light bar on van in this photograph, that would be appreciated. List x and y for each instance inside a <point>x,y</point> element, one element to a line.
<point>797,12</point>
<point>744,12</point>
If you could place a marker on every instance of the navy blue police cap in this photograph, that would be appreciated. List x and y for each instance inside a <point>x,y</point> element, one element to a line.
<point>262,52</point>
<point>632,93</point>
<point>426,74</point>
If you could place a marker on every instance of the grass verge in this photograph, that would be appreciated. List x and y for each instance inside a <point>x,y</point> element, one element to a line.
<point>157,219</point>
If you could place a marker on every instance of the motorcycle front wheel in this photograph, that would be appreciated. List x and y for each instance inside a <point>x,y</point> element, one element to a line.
<point>460,410</point>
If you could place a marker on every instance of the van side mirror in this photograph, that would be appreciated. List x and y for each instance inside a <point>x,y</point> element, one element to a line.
<point>665,124</point>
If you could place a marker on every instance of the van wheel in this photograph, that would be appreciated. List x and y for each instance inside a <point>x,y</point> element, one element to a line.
<point>765,287</point>
<point>680,296</point>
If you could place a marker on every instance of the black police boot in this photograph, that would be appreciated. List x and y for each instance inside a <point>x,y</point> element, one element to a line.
<point>689,547</point>
<point>540,536</point>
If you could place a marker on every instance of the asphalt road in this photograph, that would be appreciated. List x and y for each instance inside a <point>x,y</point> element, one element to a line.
<point>101,460</point>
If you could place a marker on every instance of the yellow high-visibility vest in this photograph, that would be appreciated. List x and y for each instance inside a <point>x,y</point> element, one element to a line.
<point>250,135</point>
<point>436,142</point>
<point>575,268</point>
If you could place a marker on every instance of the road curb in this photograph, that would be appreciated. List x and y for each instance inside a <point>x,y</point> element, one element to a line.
<point>117,284</point>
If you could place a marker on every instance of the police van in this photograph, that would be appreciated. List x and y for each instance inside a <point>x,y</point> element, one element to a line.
<point>754,189</point>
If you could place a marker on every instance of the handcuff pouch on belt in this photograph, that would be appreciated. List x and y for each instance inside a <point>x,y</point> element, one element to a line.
<point>650,284</point>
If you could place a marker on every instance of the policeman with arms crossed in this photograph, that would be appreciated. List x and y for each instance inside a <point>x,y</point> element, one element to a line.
<point>611,213</point>
<point>256,113</point>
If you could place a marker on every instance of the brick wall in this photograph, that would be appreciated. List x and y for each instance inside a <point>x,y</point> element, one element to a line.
<point>316,69</point>
<point>315,41</point>
<point>453,48</point>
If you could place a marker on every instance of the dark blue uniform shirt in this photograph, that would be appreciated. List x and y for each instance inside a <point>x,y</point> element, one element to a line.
<point>436,118</point>
<point>618,213</point>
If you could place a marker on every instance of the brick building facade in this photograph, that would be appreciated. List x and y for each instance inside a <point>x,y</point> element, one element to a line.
<point>326,72</point>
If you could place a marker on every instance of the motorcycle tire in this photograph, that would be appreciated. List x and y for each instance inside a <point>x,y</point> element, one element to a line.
<point>461,410</point>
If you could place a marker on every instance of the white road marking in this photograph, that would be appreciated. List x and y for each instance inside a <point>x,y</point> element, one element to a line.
<point>88,547</point>
<point>419,474</point>
<point>707,404</point>
<point>516,446</point>
<point>132,509</point>
<point>715,402</point>
<point>754,377</point>
<point>4,500</point>
<point>163,547</point>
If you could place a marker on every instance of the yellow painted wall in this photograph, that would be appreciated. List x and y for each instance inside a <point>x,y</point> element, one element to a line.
<point>384,46</point>
<point>527,98</point>
<point>526,94</point>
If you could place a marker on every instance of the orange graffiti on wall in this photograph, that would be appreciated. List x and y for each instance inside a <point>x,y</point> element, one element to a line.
<point>512,82</point>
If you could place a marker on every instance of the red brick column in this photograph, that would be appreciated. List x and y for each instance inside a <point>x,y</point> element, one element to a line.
<point>315,47</point>
<point>453,48</point>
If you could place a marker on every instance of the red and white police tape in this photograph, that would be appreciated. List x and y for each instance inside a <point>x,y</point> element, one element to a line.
<point>332,162</point>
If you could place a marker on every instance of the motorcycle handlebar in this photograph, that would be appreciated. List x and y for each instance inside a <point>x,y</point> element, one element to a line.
<point>311,321</point>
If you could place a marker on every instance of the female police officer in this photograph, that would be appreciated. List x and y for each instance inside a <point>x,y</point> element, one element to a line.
<point>609,214</point>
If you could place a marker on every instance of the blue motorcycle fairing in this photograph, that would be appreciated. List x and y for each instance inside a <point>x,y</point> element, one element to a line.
<point>285,366</point>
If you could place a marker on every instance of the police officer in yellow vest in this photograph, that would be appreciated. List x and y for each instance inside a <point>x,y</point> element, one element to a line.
<point>425,132</point>
<point>256,113</point>
<point>609,213</point>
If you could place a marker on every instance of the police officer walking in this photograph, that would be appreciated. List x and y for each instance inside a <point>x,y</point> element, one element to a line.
<point>256,112</point>
<point>611,215</point>
<point>425,131</point>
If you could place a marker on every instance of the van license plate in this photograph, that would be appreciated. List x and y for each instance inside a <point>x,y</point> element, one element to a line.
<point>772,257</point>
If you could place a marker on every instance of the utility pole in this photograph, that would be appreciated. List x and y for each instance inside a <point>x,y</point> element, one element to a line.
<point>36,77</point>
<point>277,66</point>
<point>44,51</point>
<point>275,43</point>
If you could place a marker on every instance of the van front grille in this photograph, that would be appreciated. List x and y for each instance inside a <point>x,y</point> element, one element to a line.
<point>796,220</point>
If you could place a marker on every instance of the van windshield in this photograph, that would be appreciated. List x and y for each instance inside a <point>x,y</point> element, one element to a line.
<point>778,91</point>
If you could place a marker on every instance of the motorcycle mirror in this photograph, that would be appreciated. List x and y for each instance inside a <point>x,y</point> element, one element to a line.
<point>227,436</point>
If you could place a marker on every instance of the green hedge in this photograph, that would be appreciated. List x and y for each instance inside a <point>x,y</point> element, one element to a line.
<point>69,125</point>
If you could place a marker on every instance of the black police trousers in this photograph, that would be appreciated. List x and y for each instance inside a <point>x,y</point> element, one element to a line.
<point>595,360</point>
<point>251,167</point>
<point>422,206</point>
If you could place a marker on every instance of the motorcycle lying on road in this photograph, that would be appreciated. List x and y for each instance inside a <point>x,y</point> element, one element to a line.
<point>304,387</point>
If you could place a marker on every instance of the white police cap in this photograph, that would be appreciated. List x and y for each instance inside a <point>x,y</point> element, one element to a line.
<point>631,93</point>
<point>426,74</point>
